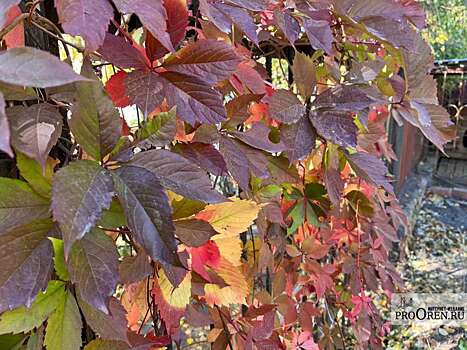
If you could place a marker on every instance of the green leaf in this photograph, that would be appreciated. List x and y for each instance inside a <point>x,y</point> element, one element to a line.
<point>81,191</point>
<point>59,259</point>
<point>64,326</point>
<point>31,171</point>
<point>95,122</point>
<point>11,341</point>
<point>297,214</point>
<point>36,340</point>
<point>24,319</point>
<point>19,204</point>
<point>100,344</point>
<point>185,207</point>
<point>113,217</point>
<point>315,190</point>
<point>158,131</point>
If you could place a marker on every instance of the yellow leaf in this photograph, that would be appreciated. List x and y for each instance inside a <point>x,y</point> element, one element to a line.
<point>230,218</point>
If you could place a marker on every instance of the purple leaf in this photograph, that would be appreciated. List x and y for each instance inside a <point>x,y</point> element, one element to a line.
<point>204,155</point>
<point>300,139</point>
<point>242,160</point>
<point>26,264</point>
<point>224,15</point>
<point>80,193</point>
<point>193,232</point>
<point>196,101</point>
<point>4,129</point>
<point>304,73</point>
<point>148,212</point>
<point>35,129</point>
<point>121,53</point>
<point>253,5</point>
<point>320,35</point>
<point>43,69</point>
<point>334,184</point>
<point>86,18</point>
<point>178,174</point>
<point>285,107</point>
<point>135,268</point>
<point>345,98</point>
<point>258,137</point>
<point>112,326</point>
<point>19,204</point>
<point>371,169</point>
<point>336,126</point>
<point>210,60</point>
<point>153,16</point>
<point>93,266</point>
<point>287,24</point>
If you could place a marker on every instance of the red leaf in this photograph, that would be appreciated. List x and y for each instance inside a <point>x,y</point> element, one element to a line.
<point>206,255</point>
<point>15,38</point>
<point>177,21</point>
<point>211,60</point>
<point>115,87</point>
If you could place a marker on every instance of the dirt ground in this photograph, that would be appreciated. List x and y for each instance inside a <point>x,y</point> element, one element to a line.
<point>436,262</point>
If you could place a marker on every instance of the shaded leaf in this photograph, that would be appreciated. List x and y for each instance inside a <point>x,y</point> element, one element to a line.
<point>110,327</point>
<point>93,266</point>
<point>224,15</point>
<point>334,184</point>
<point>204,155</point>
<point>153,16</point>
<point>242,160</point>
<point>17,93</point>
<point>19,204</point>
<point>178,174</point>
<point>35,129</point>
<point>4,129</point>
<point>196,100</point>
<point>135,268</point>
<point>158,131</point>
<point>371,169</point>
<point>336,126</point>
<point>147,211</point>
<point>211,60</point>
<point>300,139</point>
<point>123,54</point>
<point>44,70</point>
<point>86,18</point>
<point>177,21</point>
<point>258,137</point>
<point>81,191</point>
<point>24,319</point>
<point>193,232</point>
<point>113,217</point>
<point>95,122</point>
<point>345,98</point>
<point>238,109</point>
<point>286,107</point>
<point>319,33</point>
<point>26,264</point>
<point>287,24</point>
<point>64,326</point>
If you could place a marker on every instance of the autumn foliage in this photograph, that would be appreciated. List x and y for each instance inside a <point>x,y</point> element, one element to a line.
<point>129,232</point>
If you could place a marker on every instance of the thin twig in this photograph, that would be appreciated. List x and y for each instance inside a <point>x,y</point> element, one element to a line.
<point>13,24</point>
<point>80,49</point>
